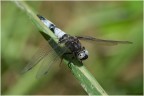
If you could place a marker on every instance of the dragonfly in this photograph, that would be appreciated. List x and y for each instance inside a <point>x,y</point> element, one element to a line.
<point>72,46</point>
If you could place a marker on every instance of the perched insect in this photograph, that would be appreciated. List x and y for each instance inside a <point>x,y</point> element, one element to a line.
<point>72,46</point>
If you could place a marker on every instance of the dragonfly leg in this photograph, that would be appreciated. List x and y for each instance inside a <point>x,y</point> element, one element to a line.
<point>69,63</point>
<point>61,62</point>
<point>63,58</point>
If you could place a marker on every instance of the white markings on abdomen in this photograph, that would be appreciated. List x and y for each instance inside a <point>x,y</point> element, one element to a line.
<point>58,32</point>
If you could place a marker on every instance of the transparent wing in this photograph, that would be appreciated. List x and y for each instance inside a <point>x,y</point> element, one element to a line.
<point>47,63</point>
<point>38,56</point>
<point>105,42</point>
<point>50,60</point>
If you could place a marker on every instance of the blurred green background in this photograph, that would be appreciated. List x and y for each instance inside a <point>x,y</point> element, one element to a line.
<point>118,69</point>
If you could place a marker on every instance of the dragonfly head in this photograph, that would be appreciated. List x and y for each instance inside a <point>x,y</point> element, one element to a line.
<point>82,55</point>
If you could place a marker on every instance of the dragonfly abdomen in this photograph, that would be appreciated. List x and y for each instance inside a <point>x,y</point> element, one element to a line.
<point>59,33</point>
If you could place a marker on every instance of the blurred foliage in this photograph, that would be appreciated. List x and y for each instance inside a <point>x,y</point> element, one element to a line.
<point>118,69</point>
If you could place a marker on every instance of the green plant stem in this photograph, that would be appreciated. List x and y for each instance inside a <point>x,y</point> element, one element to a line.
<point>87,81</point>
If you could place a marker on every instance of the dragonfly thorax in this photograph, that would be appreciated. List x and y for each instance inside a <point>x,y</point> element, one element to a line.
<point>74,45</point>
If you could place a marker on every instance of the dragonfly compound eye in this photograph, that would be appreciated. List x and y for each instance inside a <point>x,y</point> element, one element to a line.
<point>82,55</point>
<point>86,52</point>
